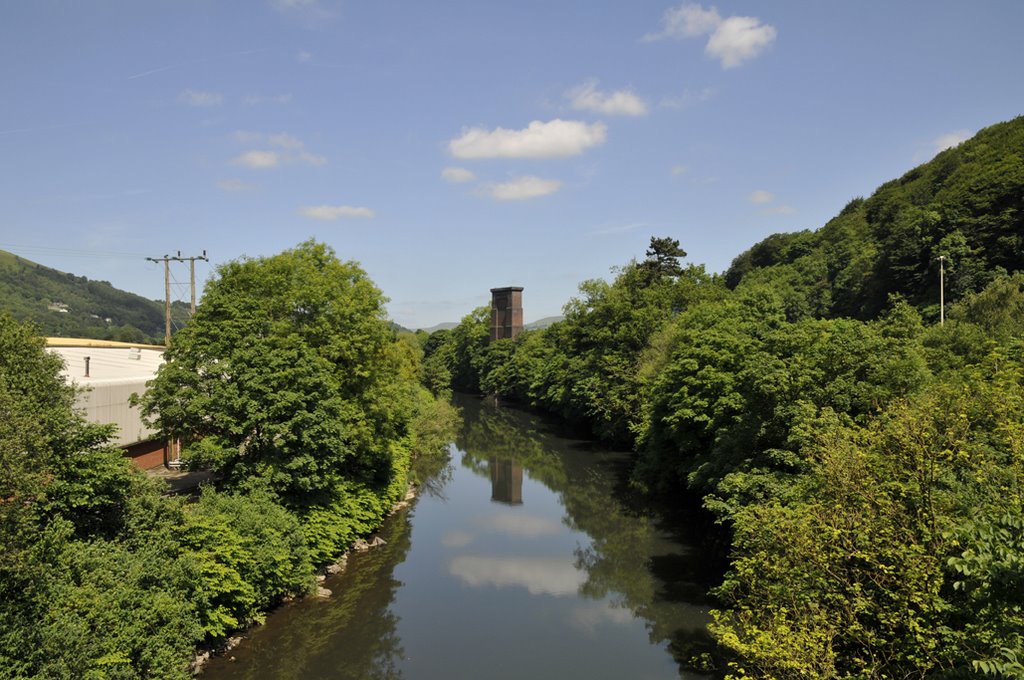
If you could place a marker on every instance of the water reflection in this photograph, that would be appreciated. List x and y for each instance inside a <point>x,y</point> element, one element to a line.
<point>506,481</point>
<point>521,524</point>
<point>631,567</point>
<point>300,641</point>
<point>538,575</point>
<point>593,616</point>
<point>592,587</point>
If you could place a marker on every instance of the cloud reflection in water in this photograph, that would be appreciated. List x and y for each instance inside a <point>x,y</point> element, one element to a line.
<point>520,524</point>
<point>588,618</point>
<point>539,575</point>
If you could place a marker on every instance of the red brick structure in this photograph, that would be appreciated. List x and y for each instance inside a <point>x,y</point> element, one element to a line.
<point>506,481</point>
<point>506,312</point>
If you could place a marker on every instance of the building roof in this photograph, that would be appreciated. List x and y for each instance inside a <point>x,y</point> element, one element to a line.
<point>92,342</point>
<point>109,362</point>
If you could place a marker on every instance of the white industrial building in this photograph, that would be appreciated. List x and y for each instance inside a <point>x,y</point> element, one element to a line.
<point>112,372</point>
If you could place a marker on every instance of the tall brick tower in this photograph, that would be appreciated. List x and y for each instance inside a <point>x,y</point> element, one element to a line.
<point>506,312</point>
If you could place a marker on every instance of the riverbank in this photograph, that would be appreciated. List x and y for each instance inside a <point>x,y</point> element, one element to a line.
<point>322,591</point>
<point>524,542</point>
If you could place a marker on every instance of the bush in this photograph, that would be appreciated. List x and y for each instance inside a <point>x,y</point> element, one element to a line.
<point>249,552</point>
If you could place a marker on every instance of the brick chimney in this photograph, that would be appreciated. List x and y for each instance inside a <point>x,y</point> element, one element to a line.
<point>506,312</point>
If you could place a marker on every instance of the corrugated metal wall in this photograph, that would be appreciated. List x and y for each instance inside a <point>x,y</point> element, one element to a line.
<point>107,402</point>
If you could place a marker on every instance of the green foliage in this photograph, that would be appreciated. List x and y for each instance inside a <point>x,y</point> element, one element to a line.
<point>438,361</point>
<point>288,373</point>
<point>662,258</point>
<point>249,552</point>
<point>869,466</point>
<point>95,309</point>
<point>355,510</point>
<point>116,612</point>
<point>587,367</point>
<point>468,342</point>
<point>292,387</point>
<point>899,554</point>
<point>433,426</point>
<point>988,591</point>
<point>965,204</point>
<point>737,387</point>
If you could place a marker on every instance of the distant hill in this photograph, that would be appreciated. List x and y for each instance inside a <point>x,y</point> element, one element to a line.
<point>542,323</point>
<point>965,205</point>
<point>447,325</point>
<point>64,305</point>
<point>533,326</point>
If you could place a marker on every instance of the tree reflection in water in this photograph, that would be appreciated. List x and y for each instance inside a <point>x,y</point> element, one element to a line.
<point>626,566</point>
<point>301,639</point>
<point>648,570</point>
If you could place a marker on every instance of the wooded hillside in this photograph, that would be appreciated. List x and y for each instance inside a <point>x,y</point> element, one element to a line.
<point>965,205</point>
<point>65,305</point>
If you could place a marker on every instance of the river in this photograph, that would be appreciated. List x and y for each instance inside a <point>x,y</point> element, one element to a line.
<point>525,557</point>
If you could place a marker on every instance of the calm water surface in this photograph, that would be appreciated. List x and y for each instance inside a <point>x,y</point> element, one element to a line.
<point>522,559</point>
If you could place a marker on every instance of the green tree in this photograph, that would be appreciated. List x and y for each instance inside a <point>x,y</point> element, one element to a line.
<point>88,586</point>
<point>899,554</point>
<point>662,257</point>
<point>288,373</point>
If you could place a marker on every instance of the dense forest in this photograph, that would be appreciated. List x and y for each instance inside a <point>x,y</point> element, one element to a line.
<point>865,462</point>
<point>291,386</point>
<point>68,306</point>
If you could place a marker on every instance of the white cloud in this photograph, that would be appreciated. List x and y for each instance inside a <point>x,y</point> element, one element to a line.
<point>233,185</point>
<point>304,57</point>
<point>679,170</point>
<point>334,212</point>
<point>457,175</point>
<point>762,197</point>
<point>258,160</point>
<point>291,150</point>
<point>522,188</point>
<point>619,103</point>
<point>951,139</point>
<point>285,141</point>
<point>732,40</point>
<point>686,21</point>
<point>738,39</point>
<point>200,99</point>
<point>311,158</point>
<point>554,139</point>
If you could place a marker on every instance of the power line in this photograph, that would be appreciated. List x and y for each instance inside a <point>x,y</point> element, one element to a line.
<point>167,259</point>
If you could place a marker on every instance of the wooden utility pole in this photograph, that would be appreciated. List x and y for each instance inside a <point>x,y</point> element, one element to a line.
<point>192,275</point>
<point>942,290</point>
<point>167,295</point>
<point>167,259</point>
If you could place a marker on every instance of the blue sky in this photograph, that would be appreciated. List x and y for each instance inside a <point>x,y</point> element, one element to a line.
<point>451,147</point>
